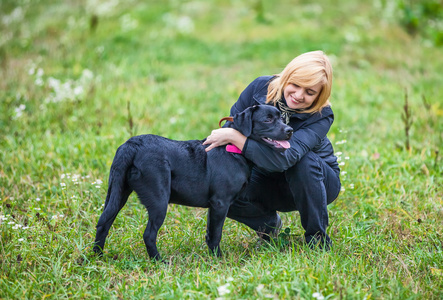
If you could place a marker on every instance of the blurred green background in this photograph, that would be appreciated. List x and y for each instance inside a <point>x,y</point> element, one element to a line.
<point>78,78</point>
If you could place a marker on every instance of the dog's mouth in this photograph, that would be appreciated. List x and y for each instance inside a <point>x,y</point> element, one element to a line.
<point>282,145</point>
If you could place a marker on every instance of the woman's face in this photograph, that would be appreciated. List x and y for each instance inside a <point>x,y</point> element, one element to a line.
<point>298,97</point>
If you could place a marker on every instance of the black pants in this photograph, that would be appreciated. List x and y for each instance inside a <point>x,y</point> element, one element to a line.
<point>307,187</point>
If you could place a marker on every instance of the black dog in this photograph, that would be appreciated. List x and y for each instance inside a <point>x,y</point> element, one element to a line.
<point>163,171</point>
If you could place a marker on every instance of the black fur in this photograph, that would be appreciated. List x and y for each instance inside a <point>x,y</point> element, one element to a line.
<point>163,171</point>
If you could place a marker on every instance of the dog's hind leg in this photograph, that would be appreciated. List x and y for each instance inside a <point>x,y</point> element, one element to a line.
<point>153,190</point>
<point>115,200</point>
<point>156,217</point>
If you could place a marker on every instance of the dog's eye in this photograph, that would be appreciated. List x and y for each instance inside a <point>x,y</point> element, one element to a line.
<point>269,119</point>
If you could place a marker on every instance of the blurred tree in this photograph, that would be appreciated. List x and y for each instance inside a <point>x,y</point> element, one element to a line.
<point>424,17</point>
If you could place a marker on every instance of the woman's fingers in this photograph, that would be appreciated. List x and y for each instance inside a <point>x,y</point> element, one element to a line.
<point>210,147</point>
<point>218,137</point>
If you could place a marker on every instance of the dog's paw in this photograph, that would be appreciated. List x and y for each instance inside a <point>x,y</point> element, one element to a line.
<point>98,251</point>
<point>216,252</point>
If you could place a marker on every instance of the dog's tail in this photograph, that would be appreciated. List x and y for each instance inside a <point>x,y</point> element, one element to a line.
<point>117,185</point>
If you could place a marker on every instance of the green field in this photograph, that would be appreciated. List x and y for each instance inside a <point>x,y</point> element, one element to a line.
<point>78,78</point>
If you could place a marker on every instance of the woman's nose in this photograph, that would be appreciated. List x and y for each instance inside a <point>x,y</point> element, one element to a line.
<point>300,93</point>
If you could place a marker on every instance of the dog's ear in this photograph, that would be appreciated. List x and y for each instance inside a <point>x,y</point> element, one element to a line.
<point>243,120</point>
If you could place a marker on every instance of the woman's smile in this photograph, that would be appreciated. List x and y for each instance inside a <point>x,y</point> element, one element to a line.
<point>296,101</point>
<point>298,97</point>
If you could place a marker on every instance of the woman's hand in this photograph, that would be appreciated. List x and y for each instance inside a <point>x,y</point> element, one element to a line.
<point>224,136</point>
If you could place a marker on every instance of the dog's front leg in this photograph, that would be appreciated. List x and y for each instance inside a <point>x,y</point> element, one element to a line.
<point>216,218</point>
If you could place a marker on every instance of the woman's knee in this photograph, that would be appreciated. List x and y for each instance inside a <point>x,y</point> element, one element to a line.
<point>308,167</point>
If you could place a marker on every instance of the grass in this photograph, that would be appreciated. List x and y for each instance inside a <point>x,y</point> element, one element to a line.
<point>181,65</point>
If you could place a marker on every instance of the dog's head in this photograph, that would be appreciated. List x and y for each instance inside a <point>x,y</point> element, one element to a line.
<point>263,123</point>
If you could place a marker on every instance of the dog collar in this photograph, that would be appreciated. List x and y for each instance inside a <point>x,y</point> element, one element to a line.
<point>233,149</point>
<point>230,119</point>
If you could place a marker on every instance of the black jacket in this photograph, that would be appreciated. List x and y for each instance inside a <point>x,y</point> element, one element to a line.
<point>309,133</point>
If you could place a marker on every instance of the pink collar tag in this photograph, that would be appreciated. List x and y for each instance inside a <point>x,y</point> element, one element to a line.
<point>233,149</point>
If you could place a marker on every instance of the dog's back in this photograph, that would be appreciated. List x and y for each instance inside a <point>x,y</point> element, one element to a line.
<point>191,173</point>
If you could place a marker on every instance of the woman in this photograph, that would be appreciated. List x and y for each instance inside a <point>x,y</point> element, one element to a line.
<point>306,176</point>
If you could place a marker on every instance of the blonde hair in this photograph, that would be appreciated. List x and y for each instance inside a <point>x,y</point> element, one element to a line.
<point>306,70</point>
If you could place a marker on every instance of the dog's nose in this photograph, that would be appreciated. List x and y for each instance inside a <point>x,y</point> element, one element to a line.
<point>289,131</point>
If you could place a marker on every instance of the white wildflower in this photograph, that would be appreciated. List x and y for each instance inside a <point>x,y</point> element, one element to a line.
<point>19,111</point>
<point>352,37</point>
<point>40,72</point>
<point>99,50</point>
<point>78,91</point>
<point>313,9</point>
<point>127,23</point>
<point>183,24</point>
<point>318,296</point>
<point>101,8</point>
<point>259,288</point>
<point>86,78</point>
<point>224,289</point>
<point>15,16</point>
<point>53,83</point>
<point>87,74</point>
<point>69,90</point>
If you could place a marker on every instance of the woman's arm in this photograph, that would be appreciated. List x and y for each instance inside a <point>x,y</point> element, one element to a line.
<point>303,140</point>
<point>224,136</point>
